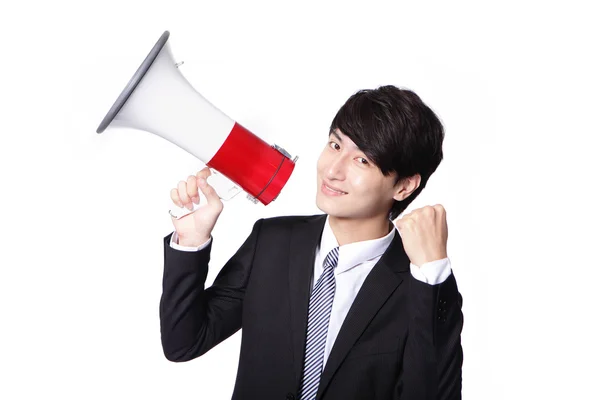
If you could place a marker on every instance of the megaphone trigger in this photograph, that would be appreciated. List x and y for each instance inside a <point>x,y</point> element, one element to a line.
<point>224,187</point>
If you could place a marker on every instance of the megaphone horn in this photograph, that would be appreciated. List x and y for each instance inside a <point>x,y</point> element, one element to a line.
<point>158,99</point>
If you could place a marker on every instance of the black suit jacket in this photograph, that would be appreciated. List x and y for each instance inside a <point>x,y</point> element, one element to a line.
<point>400,339</point>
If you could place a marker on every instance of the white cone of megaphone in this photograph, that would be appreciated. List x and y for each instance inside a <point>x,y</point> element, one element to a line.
<point>158,99</point>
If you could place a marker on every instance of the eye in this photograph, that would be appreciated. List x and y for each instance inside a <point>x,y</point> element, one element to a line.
<point>363,161</point>
<point>333,145</point>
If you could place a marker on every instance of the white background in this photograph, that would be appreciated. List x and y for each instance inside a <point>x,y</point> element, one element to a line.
<point>84,215</point>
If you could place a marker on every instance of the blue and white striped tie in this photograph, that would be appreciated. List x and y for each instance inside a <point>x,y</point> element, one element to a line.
<point>319,310</point>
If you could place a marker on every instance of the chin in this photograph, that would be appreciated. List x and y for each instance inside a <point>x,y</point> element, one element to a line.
<point>326,206</point>
<point>332,209</point>
<point>345,210</point>
<point>320,206</point>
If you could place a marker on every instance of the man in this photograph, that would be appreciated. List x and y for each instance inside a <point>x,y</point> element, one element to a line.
<point>340,305</point>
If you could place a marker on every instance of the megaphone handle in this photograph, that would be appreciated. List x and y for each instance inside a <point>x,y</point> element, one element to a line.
<point>226,190</point>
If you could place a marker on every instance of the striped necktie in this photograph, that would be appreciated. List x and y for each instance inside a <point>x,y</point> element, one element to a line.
<point>319,310</point>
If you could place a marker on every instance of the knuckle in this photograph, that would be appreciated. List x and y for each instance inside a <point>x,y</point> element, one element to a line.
<point>427,210</point>
<point>183,196</point>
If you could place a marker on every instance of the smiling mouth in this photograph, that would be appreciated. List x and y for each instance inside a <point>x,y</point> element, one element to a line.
<point>332,190</point>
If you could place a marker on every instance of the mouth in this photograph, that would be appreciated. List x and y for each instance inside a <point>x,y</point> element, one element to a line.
<point>331,191</point>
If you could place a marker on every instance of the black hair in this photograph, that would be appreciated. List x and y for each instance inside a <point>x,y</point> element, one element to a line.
<point>397,131</point>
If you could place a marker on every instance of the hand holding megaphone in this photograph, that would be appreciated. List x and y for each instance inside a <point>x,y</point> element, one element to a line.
<point>224,188</point>
<point>199,222</point>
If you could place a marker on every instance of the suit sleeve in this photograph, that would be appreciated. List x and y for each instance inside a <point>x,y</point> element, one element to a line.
<point>433,356</point>
<point>193,319</point>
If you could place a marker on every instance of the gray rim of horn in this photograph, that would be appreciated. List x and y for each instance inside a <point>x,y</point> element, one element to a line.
<point>133,82</point>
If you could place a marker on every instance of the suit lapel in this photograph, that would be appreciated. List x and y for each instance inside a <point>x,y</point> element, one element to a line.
<point>305,238</point>
<point>378,286</point>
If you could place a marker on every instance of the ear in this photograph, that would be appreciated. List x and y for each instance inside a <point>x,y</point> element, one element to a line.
<point>406,186</point>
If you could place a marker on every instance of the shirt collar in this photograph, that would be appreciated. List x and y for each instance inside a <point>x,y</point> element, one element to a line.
<point>352,254</point>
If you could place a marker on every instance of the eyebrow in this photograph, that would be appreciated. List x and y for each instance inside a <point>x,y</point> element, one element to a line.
<point>338,137</point>
<point>334,133</point>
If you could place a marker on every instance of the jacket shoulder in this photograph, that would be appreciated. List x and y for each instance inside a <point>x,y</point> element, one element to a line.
<point>288,221</point>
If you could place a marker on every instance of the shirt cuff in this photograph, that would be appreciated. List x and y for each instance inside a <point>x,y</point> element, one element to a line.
<point>433,272</point>
<point>175,244</point>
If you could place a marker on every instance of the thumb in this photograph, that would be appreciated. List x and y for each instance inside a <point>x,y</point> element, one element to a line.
<point>208,191</point>
<point>398,223</point>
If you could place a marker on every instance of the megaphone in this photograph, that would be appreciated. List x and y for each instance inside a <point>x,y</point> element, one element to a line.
<point>158,99</point>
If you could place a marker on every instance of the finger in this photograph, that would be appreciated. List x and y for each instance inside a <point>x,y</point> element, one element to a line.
<point>211,195</point>
<point>399,223</point>
<point>404,222</point>
<point>175,198</point>
<point>439,209</point>
<point>192,189</point>
<point>183,196</point>
<point>204,173</point>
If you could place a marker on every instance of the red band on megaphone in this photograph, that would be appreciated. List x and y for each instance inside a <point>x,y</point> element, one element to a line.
<point>258,168</point>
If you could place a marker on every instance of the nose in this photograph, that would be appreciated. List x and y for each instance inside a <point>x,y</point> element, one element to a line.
<point>336,169</point>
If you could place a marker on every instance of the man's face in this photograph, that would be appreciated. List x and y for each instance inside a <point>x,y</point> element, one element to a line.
<point>360,190</point>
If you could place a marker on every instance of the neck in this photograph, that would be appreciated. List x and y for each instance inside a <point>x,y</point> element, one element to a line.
<point>348,231</point>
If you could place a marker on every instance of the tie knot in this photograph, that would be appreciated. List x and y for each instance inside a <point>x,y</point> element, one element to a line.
<point>332,258</point>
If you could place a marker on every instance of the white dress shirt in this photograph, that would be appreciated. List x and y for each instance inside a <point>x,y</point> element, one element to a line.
<point>354,264</point>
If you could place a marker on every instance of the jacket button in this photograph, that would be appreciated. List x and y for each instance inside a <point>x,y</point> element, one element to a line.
<point>289,396</point>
